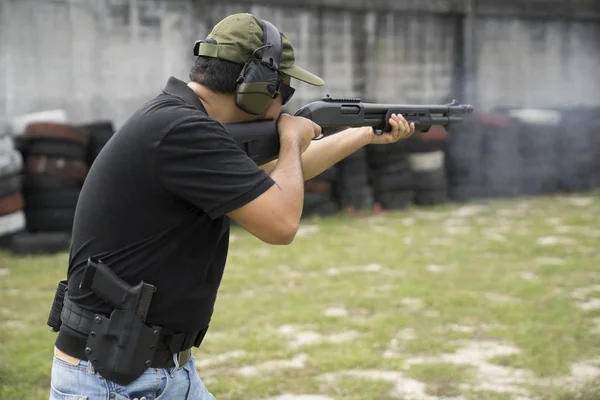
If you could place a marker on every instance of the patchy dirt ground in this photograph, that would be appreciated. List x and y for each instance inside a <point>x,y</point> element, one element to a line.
<point>491,301</point>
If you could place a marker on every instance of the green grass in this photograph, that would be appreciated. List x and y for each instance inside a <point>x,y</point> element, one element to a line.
<point>499,273</point>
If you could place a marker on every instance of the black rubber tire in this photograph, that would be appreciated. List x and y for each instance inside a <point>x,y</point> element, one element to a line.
<point>360,198</point>
<point>392,182</point>
<point>57,198</point>
<point>353,168</point>
<point>10,185</point>
<point>329,175</point>
<point>21,144</point>
<point>576,150</point>
<point>100,133</point>
<point>57,148</point>
<point>463,171</point>
<point>347,182</point>
<point>401,164</point>
<point>384,156</point>
<point>501,161</point>
<point>6,240</point>
<point>416,144</point>
<point>323,208</point>
<point>27,243</point>
<point>464,193</point>
<point>50,219</point>
<point>540,160</point>
<point>430,180</point>
<point>312,199</point>
<point>49,181</point>
<point>594,127</point>
<point>462,157</point>
<point>395,200</point>
<point>431,197</point>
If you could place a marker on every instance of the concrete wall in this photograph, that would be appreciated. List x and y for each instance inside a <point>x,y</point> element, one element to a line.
<point>93,58</point>
<point>102,58</point>
<point>415,58</point>
<point>537,63</point>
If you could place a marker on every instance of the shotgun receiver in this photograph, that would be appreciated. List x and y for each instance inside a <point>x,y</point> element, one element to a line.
<point>260,139</point>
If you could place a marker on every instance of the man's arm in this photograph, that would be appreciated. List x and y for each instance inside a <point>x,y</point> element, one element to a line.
<point>274,216</point>
<point>201,164</point>
<point>323,153</point>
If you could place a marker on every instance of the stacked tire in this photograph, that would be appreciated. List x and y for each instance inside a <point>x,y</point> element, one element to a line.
<point>538,134</point>
<point>12,217</point>
<point>427,162</point>
<point>463,162</point>
<point>99,133</point>
<point>594,128</point>
<point>55,168</point>
<point>390,175</point>
<point>501,159</point>
<point>576,151</point>
<point>318,194</point>
<point>353,191</point>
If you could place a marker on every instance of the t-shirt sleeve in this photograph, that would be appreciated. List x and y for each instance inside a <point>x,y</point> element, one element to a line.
<point>199,162</point>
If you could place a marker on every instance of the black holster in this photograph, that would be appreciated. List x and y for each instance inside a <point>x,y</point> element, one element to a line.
<point>120,346</point>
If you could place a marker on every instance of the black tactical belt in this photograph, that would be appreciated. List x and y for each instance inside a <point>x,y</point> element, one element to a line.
<point>75,347</point>
<point>77,323</point>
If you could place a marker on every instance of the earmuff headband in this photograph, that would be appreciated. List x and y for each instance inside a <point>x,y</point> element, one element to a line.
<point>272,39</point>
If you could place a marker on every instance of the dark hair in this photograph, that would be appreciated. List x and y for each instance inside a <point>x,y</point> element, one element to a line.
<point>215,74</point>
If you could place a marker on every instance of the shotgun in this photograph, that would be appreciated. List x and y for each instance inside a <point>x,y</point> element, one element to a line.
<point>260,139</point>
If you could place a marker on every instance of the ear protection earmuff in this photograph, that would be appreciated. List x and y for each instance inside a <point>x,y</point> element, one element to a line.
<point>258,83</point>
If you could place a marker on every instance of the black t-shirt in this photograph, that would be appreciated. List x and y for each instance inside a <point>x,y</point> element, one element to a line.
<point>153,207</point>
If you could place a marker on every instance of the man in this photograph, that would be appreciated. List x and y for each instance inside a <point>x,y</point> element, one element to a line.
<point>156,205</point>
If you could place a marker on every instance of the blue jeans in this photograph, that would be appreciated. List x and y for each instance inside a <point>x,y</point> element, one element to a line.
<point>81,382</point>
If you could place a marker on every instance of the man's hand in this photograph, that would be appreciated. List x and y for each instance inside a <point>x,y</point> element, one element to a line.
<point>298,129</point>
<point>323,153</point>
<point>400,130</point>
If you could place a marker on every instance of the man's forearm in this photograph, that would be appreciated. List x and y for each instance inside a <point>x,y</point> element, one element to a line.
<point>287,175</point>
<point>323,153</point>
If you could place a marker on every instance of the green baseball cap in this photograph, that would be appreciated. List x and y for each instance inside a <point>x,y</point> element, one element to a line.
<point>237,37</point>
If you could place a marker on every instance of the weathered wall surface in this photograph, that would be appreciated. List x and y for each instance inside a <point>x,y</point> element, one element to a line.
<point>103,58</point>
<point>88,57</point>
<point>529,63</point>
<point>415,58</point>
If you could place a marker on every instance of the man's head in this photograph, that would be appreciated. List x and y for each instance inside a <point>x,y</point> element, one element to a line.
<point>231,44</point>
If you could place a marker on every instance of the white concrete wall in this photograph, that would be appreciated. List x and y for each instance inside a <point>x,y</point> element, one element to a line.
<point>103,58</point>
<point>84,57</point>
<point>414,58</point>
<point>536,63</point>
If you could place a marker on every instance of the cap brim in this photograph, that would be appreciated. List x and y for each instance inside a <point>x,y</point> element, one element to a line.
<point>303,75</point>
